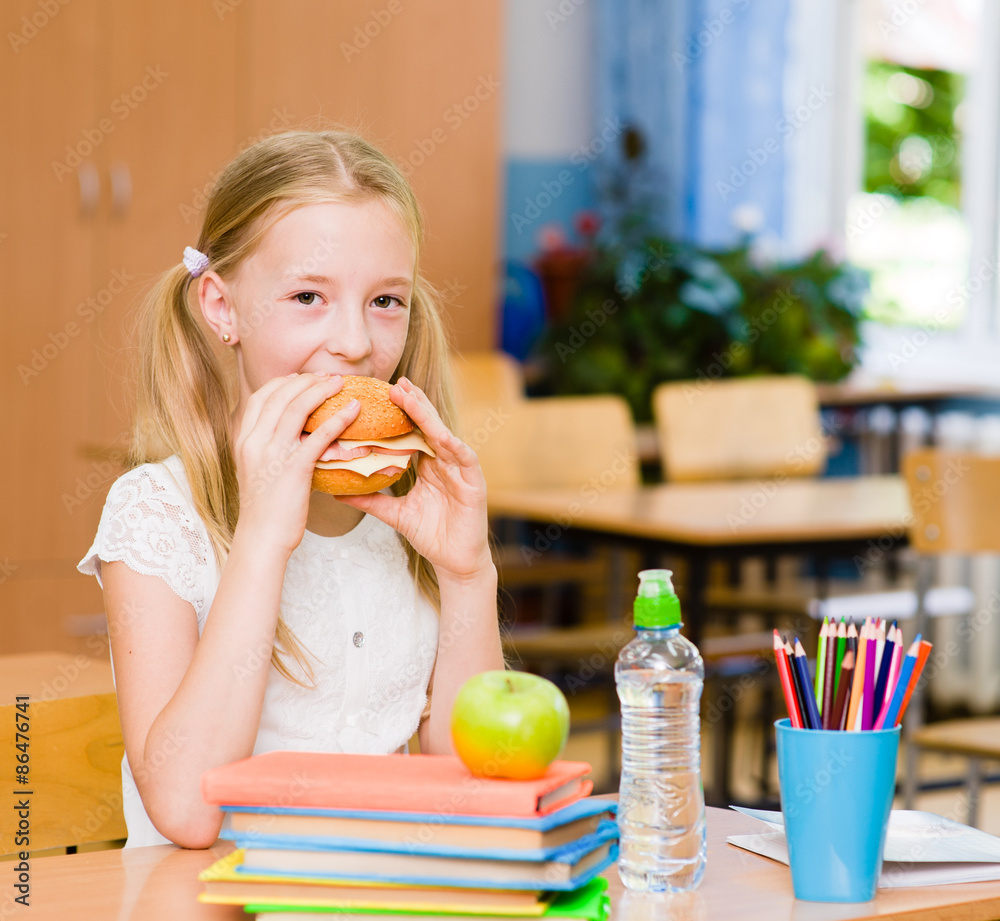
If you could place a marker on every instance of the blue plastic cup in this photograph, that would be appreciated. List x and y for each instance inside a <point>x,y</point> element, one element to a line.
<point>836,796</point>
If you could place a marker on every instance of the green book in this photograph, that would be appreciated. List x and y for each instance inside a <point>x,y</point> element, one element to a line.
<point>588,903</point>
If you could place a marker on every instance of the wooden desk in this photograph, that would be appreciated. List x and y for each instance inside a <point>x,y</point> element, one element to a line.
<point>823,517</point>
<point>161,884</point>
<point>734,513</point>
<point>869,393</point>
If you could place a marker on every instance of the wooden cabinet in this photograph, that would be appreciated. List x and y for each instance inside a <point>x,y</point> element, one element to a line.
<point>49,247</point>
<point>116,117</point>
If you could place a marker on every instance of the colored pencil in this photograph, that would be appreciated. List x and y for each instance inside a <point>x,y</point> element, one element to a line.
<point>812,718</point>
<point>843,690</point>
<point>796,682</point>
<point>905,670</point>
<point>785,675</point>
<point>821,661</point>
<point>922,654</point>
<point>879,649</point>
<point>883,670</point>
<point>890,685</point>
<point>841,649</point>
<point>867,703</point>
<point>825,700</point>
<point>852,639</point>
<point>857,689</point>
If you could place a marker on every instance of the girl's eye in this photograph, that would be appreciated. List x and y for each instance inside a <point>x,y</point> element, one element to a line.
<point>386,300</point>
<point>308,298</point>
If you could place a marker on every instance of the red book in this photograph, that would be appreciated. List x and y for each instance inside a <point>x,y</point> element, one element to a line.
<point>391,783</point>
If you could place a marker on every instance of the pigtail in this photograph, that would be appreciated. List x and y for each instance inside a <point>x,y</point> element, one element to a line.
<point>184,407</point>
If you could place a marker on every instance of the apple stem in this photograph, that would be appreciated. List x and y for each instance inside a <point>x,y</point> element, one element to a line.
<point>510,685</point>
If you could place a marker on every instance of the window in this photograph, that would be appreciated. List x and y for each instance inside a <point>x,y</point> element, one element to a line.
<point>907,224</point>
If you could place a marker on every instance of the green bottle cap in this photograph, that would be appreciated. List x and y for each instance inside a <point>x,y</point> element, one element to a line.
<point>656,606</point>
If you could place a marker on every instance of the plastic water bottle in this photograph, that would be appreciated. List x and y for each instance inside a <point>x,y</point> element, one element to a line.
<point>661,804</point>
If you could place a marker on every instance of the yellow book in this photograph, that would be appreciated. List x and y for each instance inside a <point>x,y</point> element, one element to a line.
<point>224,885</point>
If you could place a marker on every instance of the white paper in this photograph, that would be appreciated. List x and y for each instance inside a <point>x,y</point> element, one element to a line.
<point>921,848</point>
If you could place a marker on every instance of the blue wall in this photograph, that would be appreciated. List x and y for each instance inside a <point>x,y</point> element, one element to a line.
<point>540,192</point>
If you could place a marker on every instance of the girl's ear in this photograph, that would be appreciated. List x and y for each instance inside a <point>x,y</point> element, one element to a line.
<point>214,300</point>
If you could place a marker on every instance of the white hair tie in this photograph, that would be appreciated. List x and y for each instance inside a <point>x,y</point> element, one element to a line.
<point>194,261</point>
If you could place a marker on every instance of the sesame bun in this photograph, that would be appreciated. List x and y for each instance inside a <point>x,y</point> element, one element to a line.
<point>379,416</point>
<point>379,419</point>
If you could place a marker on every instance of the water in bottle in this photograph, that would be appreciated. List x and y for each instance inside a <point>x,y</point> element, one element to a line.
<point>661,804</point>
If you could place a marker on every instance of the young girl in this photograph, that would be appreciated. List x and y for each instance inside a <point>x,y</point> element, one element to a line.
<point>246,612</point>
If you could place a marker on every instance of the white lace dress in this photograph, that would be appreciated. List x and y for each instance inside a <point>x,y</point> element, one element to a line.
<point>350,601</point>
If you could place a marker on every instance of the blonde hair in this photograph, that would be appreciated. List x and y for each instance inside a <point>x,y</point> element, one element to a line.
<point>184,396</point>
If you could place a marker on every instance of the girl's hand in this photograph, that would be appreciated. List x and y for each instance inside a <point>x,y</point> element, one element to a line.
<point>444,515</point>
<point>275,462</point>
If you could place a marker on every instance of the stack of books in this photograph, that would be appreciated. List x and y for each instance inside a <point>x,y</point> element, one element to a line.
<point>408,834</point>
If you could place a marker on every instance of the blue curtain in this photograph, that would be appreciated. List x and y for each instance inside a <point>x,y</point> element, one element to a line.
<point>703,81</point>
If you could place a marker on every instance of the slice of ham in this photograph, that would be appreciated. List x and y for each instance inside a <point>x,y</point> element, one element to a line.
<point>406,444</point>
<point>375,455</point>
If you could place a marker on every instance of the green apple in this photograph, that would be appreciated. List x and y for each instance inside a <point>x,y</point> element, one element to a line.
<point>509,724</point>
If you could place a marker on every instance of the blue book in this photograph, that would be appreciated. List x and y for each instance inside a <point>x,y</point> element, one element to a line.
<point>571,865</point>
<point>419,832</point>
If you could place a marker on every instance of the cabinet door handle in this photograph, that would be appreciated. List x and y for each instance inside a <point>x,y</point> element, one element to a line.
<point>90,188</point>
<point>121,188</point>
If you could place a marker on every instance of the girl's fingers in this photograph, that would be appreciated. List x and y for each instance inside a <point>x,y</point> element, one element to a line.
<point>290,423</point>
<point>317,441</point>
<point>255,404</point>
<point>277,412</point>
<point>420,409</point>
<point>376,504</point>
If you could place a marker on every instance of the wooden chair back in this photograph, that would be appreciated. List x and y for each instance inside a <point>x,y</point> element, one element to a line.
<point>485,384</point>
<point>73,749</point>
<point>955,509</point>
<point>739,427</point>
<point>954,500</point>
<point>585,443</point>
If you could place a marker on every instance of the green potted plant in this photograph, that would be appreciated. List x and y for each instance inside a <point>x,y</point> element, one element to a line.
<point>648,309</point>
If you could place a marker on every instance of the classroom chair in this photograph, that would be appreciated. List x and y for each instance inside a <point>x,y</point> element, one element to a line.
<point>742,428</point>
<point>70,740</point>
<point>552,443</point>
<point>738,428</point>
<point>955,502</point>
<point>486,383</point>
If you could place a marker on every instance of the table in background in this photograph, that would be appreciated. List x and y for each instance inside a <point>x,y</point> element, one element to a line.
<point>868,413</point>
<point>862,393</point>
<point>161,883</point>
<point>823,518</point>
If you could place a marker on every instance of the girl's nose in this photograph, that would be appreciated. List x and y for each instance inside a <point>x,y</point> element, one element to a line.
<point>348,335</point>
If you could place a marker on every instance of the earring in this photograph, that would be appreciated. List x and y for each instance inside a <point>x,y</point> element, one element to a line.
<point>226,337</point>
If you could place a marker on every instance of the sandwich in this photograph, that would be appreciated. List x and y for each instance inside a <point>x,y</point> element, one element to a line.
<point>381,427</point>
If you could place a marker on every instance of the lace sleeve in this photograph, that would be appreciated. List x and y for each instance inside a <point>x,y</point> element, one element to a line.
<point>149,524</point>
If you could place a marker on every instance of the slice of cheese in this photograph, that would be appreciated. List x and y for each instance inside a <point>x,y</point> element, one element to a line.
<point>411,441</point>
<point>367,465</point>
